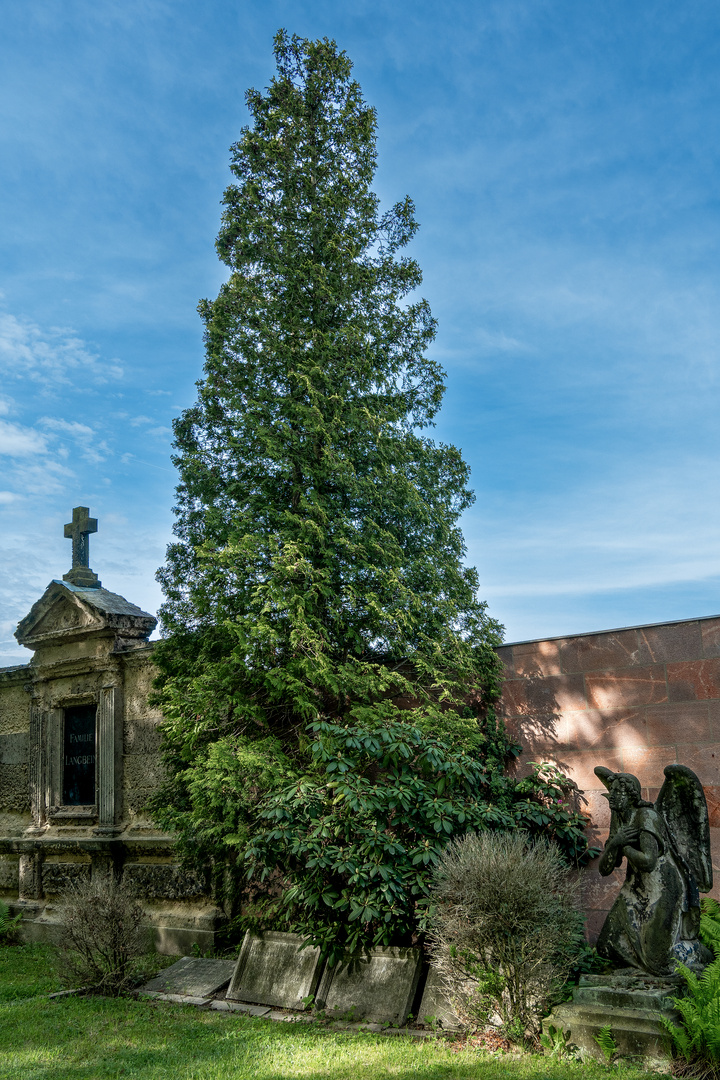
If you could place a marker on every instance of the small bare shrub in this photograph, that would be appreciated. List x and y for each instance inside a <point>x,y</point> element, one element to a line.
<point>103,939</point>
<point>506,929</point>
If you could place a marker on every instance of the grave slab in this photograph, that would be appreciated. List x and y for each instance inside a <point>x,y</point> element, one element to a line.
<point>273,969</point>
<point>192,977</point>
<point>435,1007</point>
<point>380,987</point>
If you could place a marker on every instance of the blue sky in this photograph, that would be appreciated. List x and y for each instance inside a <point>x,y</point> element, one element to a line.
<point>564,160</point>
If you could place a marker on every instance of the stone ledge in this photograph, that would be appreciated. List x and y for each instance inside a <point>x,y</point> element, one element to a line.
<point>176,999</point>
<point>237,1007</point>
<point>61,845</point>
<point>631,1008</point>
<point>18,673</point>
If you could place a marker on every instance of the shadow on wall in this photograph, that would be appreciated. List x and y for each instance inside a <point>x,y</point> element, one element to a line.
<point>547,713</point>
<point>634,700</point>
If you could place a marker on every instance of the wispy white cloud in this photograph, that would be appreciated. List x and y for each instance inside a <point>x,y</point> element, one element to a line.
<point>654,528</point>
<point>41,478</point>
<point>20,442</point>
<point>92,447</point>
<point>42,453</point>
<point>53,356</point>
<point>69,427</point>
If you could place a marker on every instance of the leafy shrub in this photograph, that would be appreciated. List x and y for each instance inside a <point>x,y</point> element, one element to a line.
<point>224,786</point>
<point>505,929</point>
<point>556,1043</point>
<point>352,846</point>
<point>103,940</point>
<point>585,961</point>
<point>9,927</point>
<point>697,1042</point>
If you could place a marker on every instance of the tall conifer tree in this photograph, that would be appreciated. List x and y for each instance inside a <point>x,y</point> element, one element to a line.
<point>319,559</point>
<point>317,575</point>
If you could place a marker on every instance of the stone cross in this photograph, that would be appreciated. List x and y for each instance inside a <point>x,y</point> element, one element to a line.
<point>78,530</point>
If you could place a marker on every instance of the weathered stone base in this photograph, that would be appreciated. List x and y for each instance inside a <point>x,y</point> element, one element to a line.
<point>631,1005</point>
<point>179,915</point>
<point>172,931</point>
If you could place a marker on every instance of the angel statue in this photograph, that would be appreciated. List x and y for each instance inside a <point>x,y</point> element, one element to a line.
<point>655,921</point>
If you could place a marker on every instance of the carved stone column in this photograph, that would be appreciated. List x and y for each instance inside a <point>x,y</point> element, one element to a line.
<point>52,760</point>
<point>36,768</point>
<point>30,881</point>
<point>109,749</point>
<point>103,866</point>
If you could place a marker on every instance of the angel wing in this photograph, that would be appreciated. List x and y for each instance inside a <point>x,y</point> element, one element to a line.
<point>681,803</point>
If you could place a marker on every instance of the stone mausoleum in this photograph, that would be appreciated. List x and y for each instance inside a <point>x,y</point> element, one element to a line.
<point>79,743</point>
<point>79,756</point>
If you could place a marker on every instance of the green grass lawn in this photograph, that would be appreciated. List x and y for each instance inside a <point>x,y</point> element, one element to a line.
<point>89,1037</point>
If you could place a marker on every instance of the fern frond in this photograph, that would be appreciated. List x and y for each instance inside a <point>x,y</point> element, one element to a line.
<point>712,1040</point>
<point>698,1040</point>
<point>680,1039</point>
<point>606,1042</point>
<point>710,978</point>
<point>9,927</point>
<point>710,924</point>
<point>691,979</point>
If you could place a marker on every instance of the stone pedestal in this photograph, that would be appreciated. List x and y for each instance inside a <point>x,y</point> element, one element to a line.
<point>631,1005</point>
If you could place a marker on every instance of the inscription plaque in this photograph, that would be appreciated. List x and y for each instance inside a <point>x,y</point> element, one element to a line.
<point>79,756</point>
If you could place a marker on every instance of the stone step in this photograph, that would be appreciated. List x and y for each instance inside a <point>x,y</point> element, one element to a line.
<point>623,998</point>
<point>636,1032</point>
<point>634,980</point>
<point>602,1015</point>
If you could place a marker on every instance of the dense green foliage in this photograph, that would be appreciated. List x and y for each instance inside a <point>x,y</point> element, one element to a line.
<point>697,1039</point>
<point>710,924</point>
<point>317,577</point>
<point>361,837</point>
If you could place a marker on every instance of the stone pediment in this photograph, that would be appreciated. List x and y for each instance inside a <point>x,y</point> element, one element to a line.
<point>63,616</point>
<point>67,612</point>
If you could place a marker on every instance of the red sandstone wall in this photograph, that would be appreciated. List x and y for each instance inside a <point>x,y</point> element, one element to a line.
<point>634,700</point>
